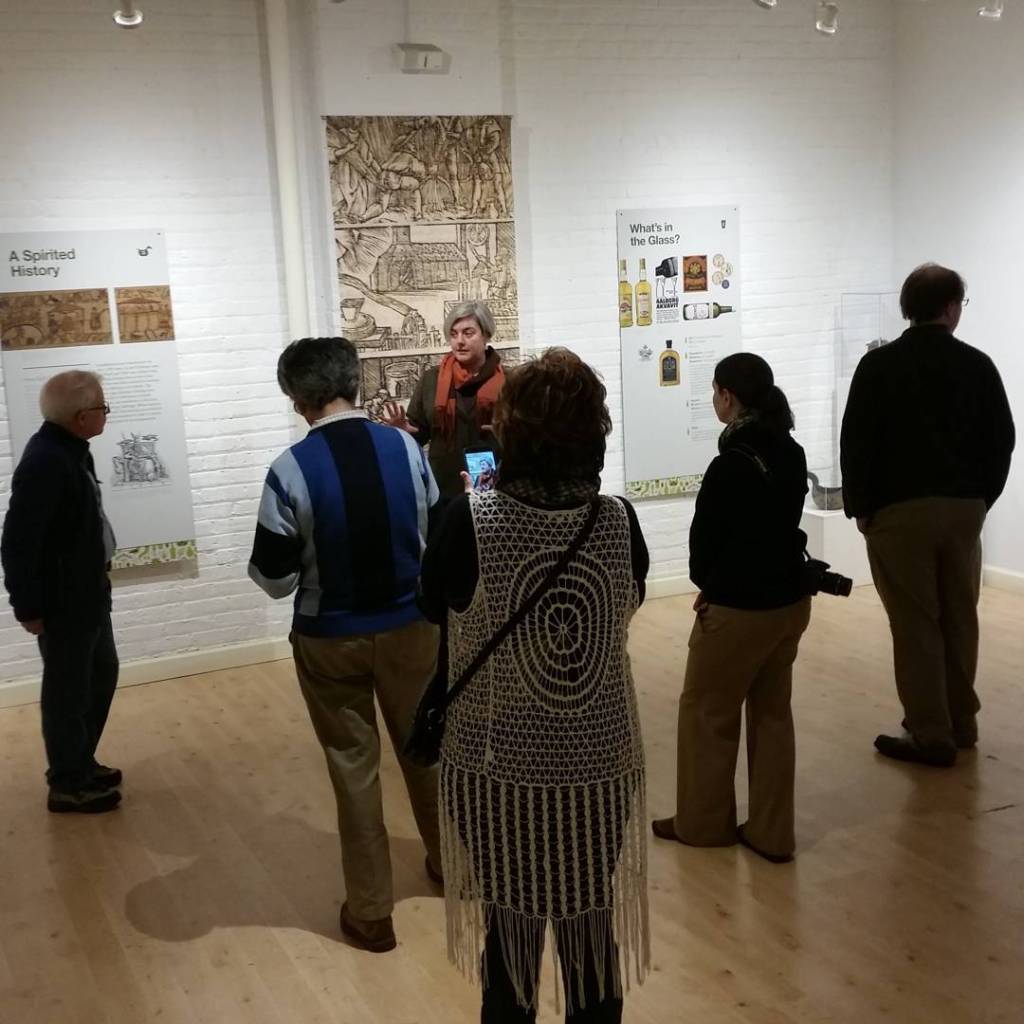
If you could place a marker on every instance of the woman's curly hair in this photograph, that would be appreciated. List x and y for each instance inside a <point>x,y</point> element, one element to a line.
<point>551,419</point>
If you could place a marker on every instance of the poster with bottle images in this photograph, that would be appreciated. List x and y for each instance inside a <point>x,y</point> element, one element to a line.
<point>101,301</point>
<point>679,314</point>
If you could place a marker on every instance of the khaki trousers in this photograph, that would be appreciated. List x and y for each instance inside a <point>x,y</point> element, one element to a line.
<point>739,657</point>
<point>925,558</point>
<point>339,677</point>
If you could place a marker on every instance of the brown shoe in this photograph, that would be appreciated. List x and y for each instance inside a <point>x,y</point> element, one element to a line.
<point>373,936</point>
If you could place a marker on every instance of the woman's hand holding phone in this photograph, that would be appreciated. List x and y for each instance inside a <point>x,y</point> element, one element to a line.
<point>481,468</point>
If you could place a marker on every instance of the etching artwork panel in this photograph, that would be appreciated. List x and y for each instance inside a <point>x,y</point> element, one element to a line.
<point>54,319</point>
<point>393,170</point>
<point>139,463</point>
<point>422,211</point>
<point>144,313</point>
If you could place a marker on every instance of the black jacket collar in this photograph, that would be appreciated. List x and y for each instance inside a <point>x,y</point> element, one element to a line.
<point>926,332</point>
<point>59,435</point>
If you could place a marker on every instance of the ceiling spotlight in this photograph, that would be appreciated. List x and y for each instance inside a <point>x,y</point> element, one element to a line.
<point>827,21</point>
<point>129,16</point>
<point>993,11</point>
<point>769,4</point>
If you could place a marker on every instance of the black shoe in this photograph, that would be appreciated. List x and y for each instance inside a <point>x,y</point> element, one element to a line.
<point>967,737</point>
<point>906,748</point>
<point>373,936</point>
<point>966,740</point>
<point>665,828</point>
<point>435,876</point>
<point>89,800</point>
<point>774,858</point>
<point>109,777</point>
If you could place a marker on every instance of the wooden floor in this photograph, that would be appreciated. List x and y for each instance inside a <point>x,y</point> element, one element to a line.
<point>212,894</point>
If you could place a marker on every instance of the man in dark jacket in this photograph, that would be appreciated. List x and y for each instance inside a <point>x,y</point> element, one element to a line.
<point>926,444</point>
<point>56,548</point>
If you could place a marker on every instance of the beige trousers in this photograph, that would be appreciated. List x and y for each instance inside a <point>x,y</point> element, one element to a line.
<point>925,559</point>
<point>339,677</point>
<point>739,657</point>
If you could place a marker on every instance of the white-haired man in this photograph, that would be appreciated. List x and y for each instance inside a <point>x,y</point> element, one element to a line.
<point>56,549</point>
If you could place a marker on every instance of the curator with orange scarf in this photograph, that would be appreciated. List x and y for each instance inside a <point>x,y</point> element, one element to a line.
<point>452,406</point>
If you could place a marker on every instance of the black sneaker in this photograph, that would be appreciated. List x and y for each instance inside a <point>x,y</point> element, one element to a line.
<point>88,800</point>
<point>108,777</point>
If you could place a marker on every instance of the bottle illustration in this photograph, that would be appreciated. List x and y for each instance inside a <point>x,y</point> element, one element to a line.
<point>643,297</point>
<point>668,366</point>
<point>625,298</point>
<point>704,310</point>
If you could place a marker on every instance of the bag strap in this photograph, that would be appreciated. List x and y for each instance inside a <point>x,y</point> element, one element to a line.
<point>762,467</point>
<point>528,605</point>
<point>752,457</point>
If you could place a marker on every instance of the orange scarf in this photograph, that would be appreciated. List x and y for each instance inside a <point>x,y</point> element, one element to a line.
<point>452,378</point>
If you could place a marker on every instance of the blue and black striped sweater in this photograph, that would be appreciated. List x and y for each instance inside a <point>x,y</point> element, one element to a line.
<point>343,524</point>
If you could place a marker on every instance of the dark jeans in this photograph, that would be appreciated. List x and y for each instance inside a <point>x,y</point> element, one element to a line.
<point>500,1005</point>
<point>79,676</point>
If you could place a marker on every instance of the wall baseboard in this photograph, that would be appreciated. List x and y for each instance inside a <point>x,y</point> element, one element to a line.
<point>170,666</point>
<point>189,663</point>
<point>1003,579</point>
<point>669,586</point>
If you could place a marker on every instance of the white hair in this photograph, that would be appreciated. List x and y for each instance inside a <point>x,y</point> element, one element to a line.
<point>67,394</point>
<point>476,309</point>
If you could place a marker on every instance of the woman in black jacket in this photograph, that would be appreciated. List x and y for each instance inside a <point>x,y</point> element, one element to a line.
<point>746,556</point>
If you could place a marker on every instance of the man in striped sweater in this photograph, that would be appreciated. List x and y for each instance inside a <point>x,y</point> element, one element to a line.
<point>342,525</point>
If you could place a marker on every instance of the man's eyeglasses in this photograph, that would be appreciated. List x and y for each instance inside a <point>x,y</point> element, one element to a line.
<point>965,303</point>
<point>96,408</point>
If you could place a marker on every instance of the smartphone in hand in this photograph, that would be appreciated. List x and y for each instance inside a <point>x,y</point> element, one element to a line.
<point>482,467</point>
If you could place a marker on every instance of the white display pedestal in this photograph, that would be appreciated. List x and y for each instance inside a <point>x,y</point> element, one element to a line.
<point>835,539</point>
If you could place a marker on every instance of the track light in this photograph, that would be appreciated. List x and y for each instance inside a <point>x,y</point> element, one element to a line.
<point>827,21</point>
<point>129,16</point>
<point>769,4</point>
<point>993,10</point>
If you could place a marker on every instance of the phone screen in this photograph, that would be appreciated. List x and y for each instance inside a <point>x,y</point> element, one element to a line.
<point>483,470</point>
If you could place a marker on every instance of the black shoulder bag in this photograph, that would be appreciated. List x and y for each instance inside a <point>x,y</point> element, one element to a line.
<point>424,744</point>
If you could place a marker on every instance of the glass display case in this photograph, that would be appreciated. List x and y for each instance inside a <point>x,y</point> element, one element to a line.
<point>866,321</point>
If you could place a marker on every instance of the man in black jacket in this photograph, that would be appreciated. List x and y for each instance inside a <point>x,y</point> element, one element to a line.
<point>56,548</point>
<point>925,448</point>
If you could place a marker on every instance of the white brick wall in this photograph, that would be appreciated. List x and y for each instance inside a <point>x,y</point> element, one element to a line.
<point>673,102</point>
<point>164,126</point>
<point>646,103</point>
<point>958,197</point>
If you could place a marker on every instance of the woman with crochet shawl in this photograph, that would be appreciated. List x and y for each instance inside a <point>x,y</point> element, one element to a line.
<point>542,770</point>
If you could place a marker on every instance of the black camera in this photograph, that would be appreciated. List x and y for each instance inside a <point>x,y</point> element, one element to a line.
<point>818,580</point>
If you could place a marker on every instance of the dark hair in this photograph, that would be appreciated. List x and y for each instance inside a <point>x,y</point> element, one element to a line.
<point>751,380</point>
<point>927,292</point>
<point>314,371</point>
<point>551,419</point>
